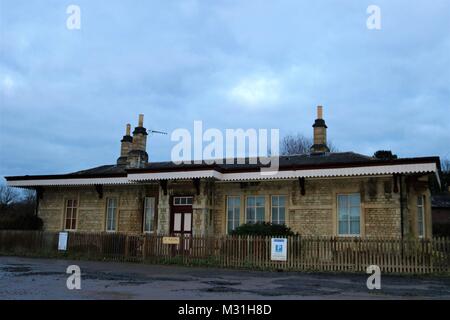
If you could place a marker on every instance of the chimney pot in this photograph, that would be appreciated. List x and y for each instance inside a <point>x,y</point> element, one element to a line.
<point>138,157</point>
<point>125,146</point>
<point>320,134</point>
<point>319,112</point>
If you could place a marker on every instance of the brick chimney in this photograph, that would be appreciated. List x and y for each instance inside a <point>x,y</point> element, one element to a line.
<point>137,156</point>
<point>320,133</point>
<point>125,146</point>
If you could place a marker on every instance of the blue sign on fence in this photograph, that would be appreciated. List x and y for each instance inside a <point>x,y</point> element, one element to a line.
<point>279,249</point>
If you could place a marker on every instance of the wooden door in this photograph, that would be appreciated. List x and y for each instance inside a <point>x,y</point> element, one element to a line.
<point>181,219</point>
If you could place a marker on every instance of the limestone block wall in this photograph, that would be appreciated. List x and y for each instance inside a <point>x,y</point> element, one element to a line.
<point>91,213</point>
<point>315,213</point>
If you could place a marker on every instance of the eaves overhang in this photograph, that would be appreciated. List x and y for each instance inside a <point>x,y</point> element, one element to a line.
<point>135,176</point>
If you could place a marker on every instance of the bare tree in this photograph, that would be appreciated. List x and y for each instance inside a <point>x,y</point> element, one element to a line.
<point>445,169</point>
<point>8,195</point>
<point>295,144</point>
<point>299,144</point>
<point>445,166</point>
<point>29,196</point>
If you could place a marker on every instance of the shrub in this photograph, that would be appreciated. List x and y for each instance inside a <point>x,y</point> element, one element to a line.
<point>385,155</point>
<point>441,229</point>
<point>20,222</point>
<point>262,229</point>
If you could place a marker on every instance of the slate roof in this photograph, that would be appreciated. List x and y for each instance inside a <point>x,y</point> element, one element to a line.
<point>253,163</point>
<point>304,161</point>
<point>440,201</point>
<point>101,170</point>
<point>299,160</point>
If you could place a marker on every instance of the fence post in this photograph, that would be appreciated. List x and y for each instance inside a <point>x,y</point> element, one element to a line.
<point>144,248</point>
<point>126,246</point>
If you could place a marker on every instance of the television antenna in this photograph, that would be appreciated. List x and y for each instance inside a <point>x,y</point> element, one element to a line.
<point>156,131</point>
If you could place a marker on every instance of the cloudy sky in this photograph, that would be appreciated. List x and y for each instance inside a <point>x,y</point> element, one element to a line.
<point>66,95</point>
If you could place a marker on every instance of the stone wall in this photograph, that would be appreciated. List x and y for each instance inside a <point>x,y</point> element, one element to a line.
<point>91,215</point>
<point>313,214</point>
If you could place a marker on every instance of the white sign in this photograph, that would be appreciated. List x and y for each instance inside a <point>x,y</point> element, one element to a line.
<point>279,249</point>
<point>62,242</point>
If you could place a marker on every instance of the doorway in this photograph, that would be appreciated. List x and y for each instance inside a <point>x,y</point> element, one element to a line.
<point>181,220</point>
<point>181,215</point>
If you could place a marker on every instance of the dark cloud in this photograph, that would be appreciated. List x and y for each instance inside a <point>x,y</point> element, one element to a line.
<point>66,95</point>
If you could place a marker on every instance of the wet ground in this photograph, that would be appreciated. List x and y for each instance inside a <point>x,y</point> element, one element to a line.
<point>23,278</point>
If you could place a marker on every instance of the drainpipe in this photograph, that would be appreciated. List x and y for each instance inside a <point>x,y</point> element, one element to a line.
<point>401,206</point>
<point>39,192</point>
<point>36,204</point>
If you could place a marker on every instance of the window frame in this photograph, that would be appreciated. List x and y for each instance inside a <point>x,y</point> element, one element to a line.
<point>238,221</point>
<point>152,229</point>
<point>348,213</point>
<point>66,207</point>
<point>116,214</point>
<point>186,200</point>
<point>255,207</point>
<point>420,231</point>
<point>278,208</point>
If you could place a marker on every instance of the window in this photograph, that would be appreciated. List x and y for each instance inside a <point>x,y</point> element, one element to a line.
<point>71,214</point>
<point>111,214</point>
<point>182,201</point>
<point>255,209</point>
<point>349,212</point>
<point>233,213</point>
<point>278,209</point>
<point>149,214</point>
<point>421,216</point>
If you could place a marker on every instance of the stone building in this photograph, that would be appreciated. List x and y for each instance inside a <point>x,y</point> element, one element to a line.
<point>320,194</point>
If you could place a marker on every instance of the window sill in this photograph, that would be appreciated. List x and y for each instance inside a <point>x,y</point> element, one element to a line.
<point>349,236</point>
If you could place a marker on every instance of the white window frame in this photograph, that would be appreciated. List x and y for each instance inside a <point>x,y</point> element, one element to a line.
<point>348,207</point>
<point>115,215</point>
<point>72,208</point>
<point>255,207</point>
<point>277,207</point>
<point>236,223</point>
<point>183,200</point>
<point>421,216</point>
<point>153,208</point>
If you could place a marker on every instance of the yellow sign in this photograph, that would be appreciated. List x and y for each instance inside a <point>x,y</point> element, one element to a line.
<point>171,240</point>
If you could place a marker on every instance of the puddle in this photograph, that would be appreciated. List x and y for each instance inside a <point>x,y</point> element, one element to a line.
<point>16,269</point>
<point>42,273</point>
<point>131,283</point>
<point>220,289</point>
<point>222,283</point>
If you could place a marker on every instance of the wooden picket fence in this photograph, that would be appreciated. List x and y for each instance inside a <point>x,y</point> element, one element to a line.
<point>332,254</point>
